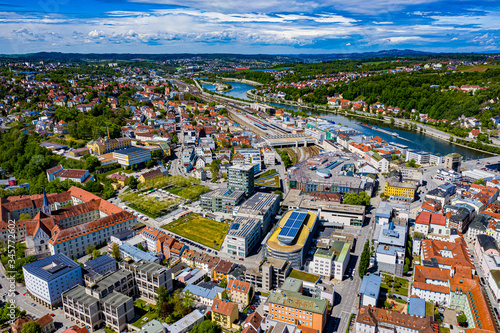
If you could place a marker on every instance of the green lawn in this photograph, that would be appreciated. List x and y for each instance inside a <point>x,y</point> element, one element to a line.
<point>146,313</point>
<point>199,229</point>
<point>429,309</point>
<point>304,276</point>
<point>271,181</point>
<point>109,330</point>
<point>401,291</point>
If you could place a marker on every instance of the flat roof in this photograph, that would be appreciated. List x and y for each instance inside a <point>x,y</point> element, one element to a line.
<point>330,206</point>
<point>298,301</point>
<point>224,193</point>
<point>241,167</point>
<point>79,294</point>
<point>242,226</point>
<point>51,267</point>
<point>131,150</point>
<point>115,299</point>
<point>370,285</point>
<point>110,279</point>
<point>258,204</point>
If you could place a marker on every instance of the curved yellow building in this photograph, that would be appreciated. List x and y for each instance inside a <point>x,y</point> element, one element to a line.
<point>292,237</point>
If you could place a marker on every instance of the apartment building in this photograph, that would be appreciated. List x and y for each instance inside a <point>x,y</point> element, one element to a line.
<point>371,320</point>
<point>105,145</point>
<point>271,274</point>
<point>148,277</point>
<point>47,278</point>
<point>331,262</point>
<point>261,206</point>
<point>240,292</point>
<point>225,313</point>
<point>398,191</point>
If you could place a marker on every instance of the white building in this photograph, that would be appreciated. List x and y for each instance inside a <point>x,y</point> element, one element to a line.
<point>333,262</point>
<point>47,278</point>
<point>242,237</point>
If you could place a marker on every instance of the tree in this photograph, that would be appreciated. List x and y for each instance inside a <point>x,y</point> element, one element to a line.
<point>188,299</point>
<point>359,199</point>
<point>462,319</point>
<point>31,327</point>
<point>223,284</point>
<point>96,254</point>
<point>115,251</point>
<point>480,181</point>
<point>24,216</point>
<point>406,268</point>
<point>132,182</point>
<point>140,247</point>
<point>90,249</point>
<point>364,260</point>
<point>395,157</point>
<point>280,193</point>
<point>91,163</point>
<point>206,279</point>
<point>149,164</point>
<point>175,138</point>
<point>207,326</point>
<point>412,163</point>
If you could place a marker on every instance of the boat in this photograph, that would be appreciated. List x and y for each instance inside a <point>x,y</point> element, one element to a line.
<point>395,134</point>
<point>366,125</point>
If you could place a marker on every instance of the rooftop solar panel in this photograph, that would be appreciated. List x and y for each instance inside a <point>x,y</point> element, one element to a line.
<point>292,226</point>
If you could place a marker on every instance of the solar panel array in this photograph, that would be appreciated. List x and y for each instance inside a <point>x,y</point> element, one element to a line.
<point>293,224</point>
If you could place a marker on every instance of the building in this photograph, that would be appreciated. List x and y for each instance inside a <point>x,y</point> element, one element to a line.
<point>46,323</point>
<point>89,221</point>
<point>398,191</point>
<point>390,248</point>
<point>446,255</point>
<point>221,200</point>
<point>186,323</point>
<point>371,320</point>
<point>292,307</point>
<point>128,251</point>
<point>292,237</point>
<point>148,277</point>
<point>131,156</point>
<point>106,145</point>
<point>487,254</point>
<point>153,174</point>
<point>225,313</point>
<point>261,206</point>
<point>47,278</point>
<point>101,265</point>
<point>271,274</point>
<point>432,225</point>
<point>221,270</point>
<point>331,262</point>
<point>369,290</point>
<point>243,235</point>
<point>153,326</point>
<point>330,174</point>
<point>100,303</point>
<point>453,162</point>
<point>269,156</point>
<point>78,176</point>
<point>241,178</point>
<point>204,295</point>
<point>240,292</point>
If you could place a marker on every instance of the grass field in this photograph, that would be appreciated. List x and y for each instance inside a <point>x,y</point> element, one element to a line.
<point>199,229</point>
<point>479,68</point>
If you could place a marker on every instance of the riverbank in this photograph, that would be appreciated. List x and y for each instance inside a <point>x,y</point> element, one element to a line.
<point>250,82</point>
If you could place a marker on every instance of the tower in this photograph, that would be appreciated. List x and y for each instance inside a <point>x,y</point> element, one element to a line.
<point>46,204</point>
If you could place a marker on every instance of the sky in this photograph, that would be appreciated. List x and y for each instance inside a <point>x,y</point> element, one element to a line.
<point>248,26</point>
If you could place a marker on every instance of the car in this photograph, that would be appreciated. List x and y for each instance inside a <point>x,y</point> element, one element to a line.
<point>233,257</point>
<point>252,307</point>
<point>242,259</point>
<point>52,315</point>
<point>24,294</point>
<point>33,304</point>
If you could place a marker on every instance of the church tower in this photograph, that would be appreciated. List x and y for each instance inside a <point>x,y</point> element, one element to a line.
<point>46,204</point>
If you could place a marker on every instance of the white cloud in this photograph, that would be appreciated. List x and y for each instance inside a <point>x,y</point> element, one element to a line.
<point>348,44</point>
<point>382,23</point>
<point>454,38</point>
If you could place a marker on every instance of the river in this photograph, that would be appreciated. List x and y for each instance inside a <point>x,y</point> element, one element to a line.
<point>408,138</point>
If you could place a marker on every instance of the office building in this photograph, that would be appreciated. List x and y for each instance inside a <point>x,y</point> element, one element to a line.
<point>105,300</point>
<point>261,206</point>
<point>292,307</point>
<point>221,200</point>
<point>331,262</point>
<point>243,235</point>
<point>292,237</point>
<point>241,178</point>
<point>401,192</point>
<point>148,277</point>
<point>47,278</point>
<point>132,156</point>
<point>453,162</point>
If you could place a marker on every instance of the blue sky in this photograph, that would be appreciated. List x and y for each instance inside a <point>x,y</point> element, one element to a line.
<point>246,26</point>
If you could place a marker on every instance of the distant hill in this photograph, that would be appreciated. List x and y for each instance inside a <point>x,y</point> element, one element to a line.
<point>361,55</point>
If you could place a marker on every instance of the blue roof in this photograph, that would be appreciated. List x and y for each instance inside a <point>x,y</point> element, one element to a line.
<point>99,261</point>
<point>138,254</point>
<point>370,286</point>
<point>203,292</point>
<point>417,307</point>
<point>130,150</point>
<point>292,226</point>
<point>51,267</point>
